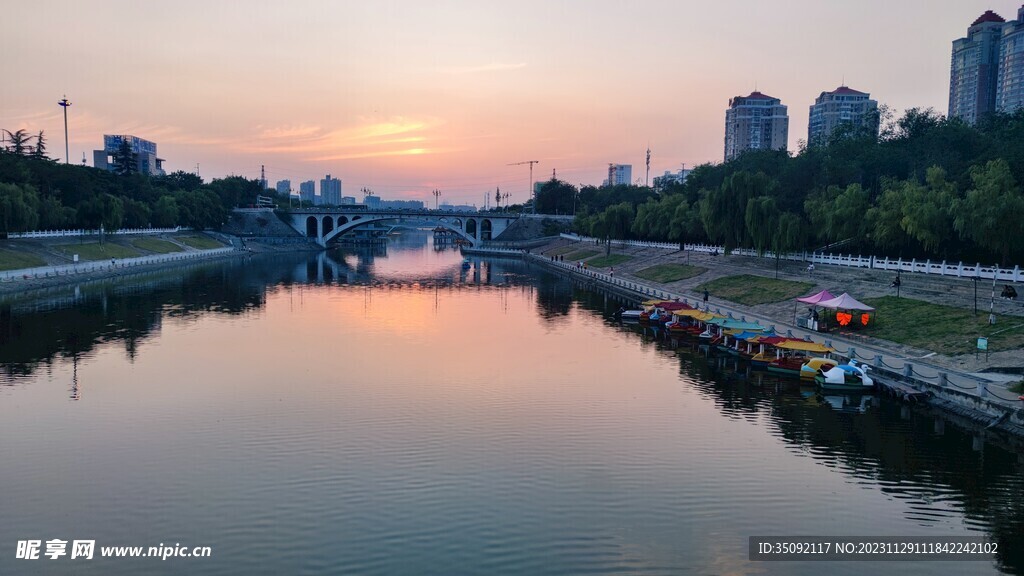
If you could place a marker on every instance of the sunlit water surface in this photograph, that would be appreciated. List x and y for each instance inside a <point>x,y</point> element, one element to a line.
<point>385,411</point>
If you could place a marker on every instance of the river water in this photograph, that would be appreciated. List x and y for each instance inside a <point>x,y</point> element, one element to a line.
<point>385,411</point>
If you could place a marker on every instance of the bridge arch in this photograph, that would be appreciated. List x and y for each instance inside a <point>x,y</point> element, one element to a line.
<point>312,230</point>
<point>342,220</point>
<point>328,224</point>
<point>485,229</point>
<point>357,222</point>
<point>471,228</point>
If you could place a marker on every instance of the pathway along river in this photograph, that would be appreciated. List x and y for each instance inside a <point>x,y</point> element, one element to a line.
<point>384,411</point>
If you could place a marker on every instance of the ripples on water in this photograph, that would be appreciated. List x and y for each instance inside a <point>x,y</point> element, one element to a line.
<point>386,412</point>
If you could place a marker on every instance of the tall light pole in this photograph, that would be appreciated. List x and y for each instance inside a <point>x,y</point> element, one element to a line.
<point>437,196</point>
<point>64,103</point>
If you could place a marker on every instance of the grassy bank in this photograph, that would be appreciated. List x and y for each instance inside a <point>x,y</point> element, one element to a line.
<point>669,272</point>
<point>561,250</point>
<point>200,242</point>
<point>752,290</point>
<point>580,255</point>
<point>97,251</point>
<point>156,245</point>
<point>942,329</point>
<point>606,261</point>
<point>10,260</point>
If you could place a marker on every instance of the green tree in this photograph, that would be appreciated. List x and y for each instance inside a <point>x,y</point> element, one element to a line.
<point>53,215</point>
<point>19,208</point>
<point>926,209</point>
<point>790,235</point>
<point>684,222</point>
<point>644,223</point>
<point>19,142</point>
<point>179,180</point>
<point>165,212</point>
<point>992,213</point>
<point>723,211</point>
<point>837,214</point>
<point>762,221</point>
<point>104,210</point>
<point>555,197</point>
<point>39,150</point>
<point>126,160</point>
<point>885,219</point>
<point>200,209</point>
<point>136,214</point>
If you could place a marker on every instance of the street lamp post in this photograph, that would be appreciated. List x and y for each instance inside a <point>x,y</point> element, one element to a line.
<point>64,103</point>
<point>976,278</point>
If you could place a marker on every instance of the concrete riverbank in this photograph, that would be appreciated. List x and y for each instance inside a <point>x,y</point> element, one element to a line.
<point>970,396</point>
<point>59,274</point>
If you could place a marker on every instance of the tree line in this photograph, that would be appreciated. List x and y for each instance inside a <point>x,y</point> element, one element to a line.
<point>37,193</point>
<point>925,187</point>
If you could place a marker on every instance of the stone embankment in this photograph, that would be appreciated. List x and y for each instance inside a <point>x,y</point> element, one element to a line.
<point>906,371</point>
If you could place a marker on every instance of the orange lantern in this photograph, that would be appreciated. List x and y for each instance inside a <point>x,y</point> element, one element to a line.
<point>864,318</point>
<point>844,318</point>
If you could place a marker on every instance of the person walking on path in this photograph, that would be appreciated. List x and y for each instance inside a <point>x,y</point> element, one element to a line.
<point>706,296</point>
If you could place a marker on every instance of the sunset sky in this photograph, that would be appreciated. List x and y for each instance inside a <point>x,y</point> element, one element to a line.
<point>405,97</point>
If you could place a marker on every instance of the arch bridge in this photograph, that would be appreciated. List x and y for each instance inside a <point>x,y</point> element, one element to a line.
<point>326,224</point>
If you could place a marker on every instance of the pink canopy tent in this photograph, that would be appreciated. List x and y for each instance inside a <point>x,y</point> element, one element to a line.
<point>816,298</point>
<point>845,302</point>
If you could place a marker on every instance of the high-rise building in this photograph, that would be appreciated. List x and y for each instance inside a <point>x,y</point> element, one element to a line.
<point>670,178</point>
<point>1010,77</point>
<point>841,106</point>
<point>619,174</point>
<point>307,191</point>
<point>755,122</point>
<point>146,161</point>
<point>974,69</point>
<point>283,186</point>
<point>330,191</point>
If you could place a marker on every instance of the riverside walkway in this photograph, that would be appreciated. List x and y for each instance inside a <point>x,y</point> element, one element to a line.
<point>984,395</point>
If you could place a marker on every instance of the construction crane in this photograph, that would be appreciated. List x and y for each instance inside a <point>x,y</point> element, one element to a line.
<point>530,190</point>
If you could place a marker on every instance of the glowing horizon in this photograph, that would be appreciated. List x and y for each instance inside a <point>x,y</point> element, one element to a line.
<point>403,98</point>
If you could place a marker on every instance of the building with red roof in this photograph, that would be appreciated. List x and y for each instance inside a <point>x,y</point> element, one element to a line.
<point>1010,76</point>
<point>974,69</point>
<point>755,122</point>
<point>843,106</point>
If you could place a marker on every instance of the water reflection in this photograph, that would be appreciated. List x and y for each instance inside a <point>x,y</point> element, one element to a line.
<point>941,472</point>
<point>378,409</point>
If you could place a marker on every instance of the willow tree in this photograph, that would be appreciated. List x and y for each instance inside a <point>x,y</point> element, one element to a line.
<point>926,210</point>
<point>762,219</point>
<point>790,235</point>
<point>992,212</point>
<point>723,211</point>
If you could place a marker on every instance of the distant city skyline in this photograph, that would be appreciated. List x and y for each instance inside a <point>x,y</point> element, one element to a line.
<point>404,98</point>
